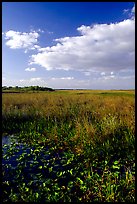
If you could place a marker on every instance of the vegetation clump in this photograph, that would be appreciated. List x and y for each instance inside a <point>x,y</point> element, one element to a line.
<point>18,89</point>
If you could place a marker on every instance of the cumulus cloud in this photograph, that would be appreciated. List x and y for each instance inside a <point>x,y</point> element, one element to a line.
<point>100,48</point>
<point>30,69</point>
<point>16,40</point>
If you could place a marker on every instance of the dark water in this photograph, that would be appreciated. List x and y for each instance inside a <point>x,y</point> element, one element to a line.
<point>7,140</point>
<point>11,142</point>
<point>13,150</point>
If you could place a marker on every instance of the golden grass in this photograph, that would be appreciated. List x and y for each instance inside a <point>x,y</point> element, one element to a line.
<point>84,109</point>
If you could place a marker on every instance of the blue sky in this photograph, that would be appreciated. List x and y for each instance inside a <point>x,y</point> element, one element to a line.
<point>88,45</point>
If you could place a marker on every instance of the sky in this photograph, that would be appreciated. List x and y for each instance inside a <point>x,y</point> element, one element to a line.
<point>69,45</point>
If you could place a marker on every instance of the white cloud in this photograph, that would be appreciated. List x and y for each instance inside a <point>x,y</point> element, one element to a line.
<point>130,12</point>
<point>21,80</point>
<point>50,32</point>
<point>35,79</point>
<point>63,78</point>
<point>45,31</point>
<point>116,82</point>
<point>36,47</point>
<point>16,40</point>
<point>38,81</point>
<point>109,77</point>
<point>30,69</point>
<point>102,73</point>
<point>133,9</point>
<point>68,78</point>
<point>40,30</point>
<point>106,76</point>
<point>100,48</point>
<point>125,10</point>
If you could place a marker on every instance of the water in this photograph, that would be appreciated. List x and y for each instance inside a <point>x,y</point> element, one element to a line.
<point>26,163</point>
<point>23,164</point>
<point>7,140</point>
<point>12,150</point>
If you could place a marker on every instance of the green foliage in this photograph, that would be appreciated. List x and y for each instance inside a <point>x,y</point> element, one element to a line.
<point>17,89</point>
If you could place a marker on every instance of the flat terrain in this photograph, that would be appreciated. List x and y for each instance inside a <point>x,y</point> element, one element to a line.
<point>73,145</point>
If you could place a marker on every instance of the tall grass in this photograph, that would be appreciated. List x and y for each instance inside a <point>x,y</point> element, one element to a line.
<point>95,131</point>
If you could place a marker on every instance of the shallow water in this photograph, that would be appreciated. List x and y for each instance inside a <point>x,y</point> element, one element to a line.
<point>12,150</point>
<point>8,139</point>
<point>24,163</point>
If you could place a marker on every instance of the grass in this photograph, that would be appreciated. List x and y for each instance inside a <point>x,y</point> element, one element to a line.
<point>79,145</point>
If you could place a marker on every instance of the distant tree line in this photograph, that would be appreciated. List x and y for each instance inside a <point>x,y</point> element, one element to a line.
<point>26,88</point>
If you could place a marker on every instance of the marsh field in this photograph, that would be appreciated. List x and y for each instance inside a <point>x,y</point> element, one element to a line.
<point>69,146</point>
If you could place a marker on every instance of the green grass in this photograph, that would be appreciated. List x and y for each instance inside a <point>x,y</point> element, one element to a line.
<point>89,137</point>
<point>118,94</point>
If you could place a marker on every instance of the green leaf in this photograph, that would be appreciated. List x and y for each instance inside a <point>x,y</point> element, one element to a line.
<point>27,189</point>
<point>71,171</point>
<point>116,162</point>
<point>60,174</point>
<point>37,195</point>
<point>115,167</point>
<point>50,169</point>
<point>81,182</point>
<point>106,162</point>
